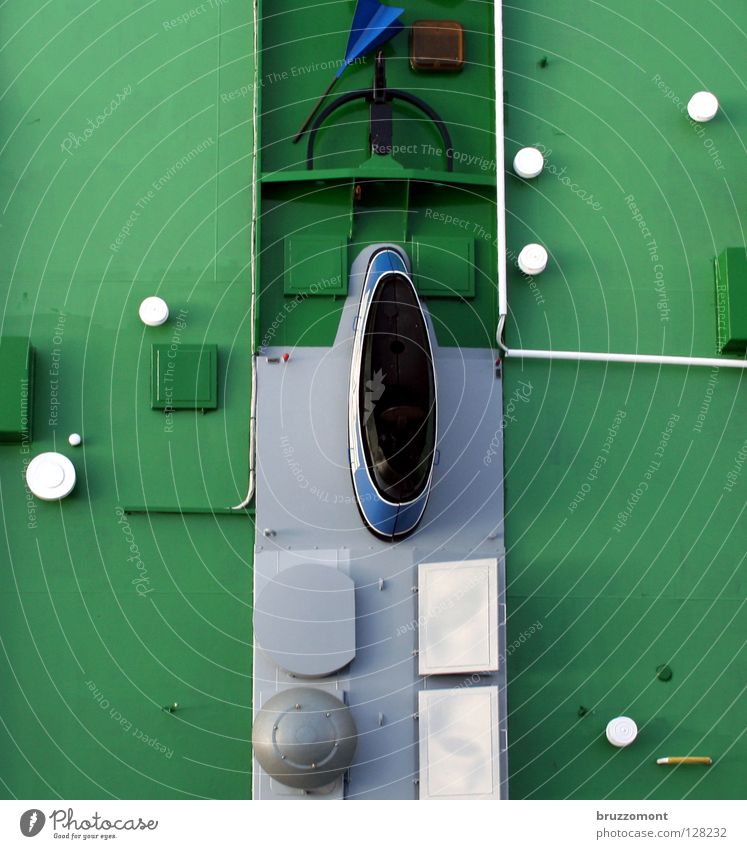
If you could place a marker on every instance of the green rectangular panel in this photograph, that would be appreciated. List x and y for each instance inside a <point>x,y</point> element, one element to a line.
<point>445,268</point>
<point>315,265</point>
<point>16,389</point>
<point>184,377</point>
<point>731,300</point>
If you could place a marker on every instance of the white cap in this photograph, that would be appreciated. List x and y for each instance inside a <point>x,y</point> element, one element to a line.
<point>75,439</point>
<point>532,259</point>
<point>154,311</point>
<point>50,476</point>
<point>529,162</point>
<point>703,106</point>
<point>621,731</point>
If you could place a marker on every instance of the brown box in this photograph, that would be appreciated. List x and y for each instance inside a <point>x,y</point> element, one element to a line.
<point>437,46</point>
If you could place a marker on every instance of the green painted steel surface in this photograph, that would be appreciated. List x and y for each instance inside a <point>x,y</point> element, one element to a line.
<point>626,536</point>
<point>297,65</point>
<point>125,172</point>
<point>391,211</point>
<point>362,198</point>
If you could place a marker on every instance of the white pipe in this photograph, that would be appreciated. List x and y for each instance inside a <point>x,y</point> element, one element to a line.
<point>578,356</point>
<point>609,357</point>
<point>253,273</point>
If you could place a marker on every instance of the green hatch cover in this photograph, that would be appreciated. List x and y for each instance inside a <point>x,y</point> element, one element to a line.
<point>315,265</point>
<point>16,388</point>
<point>184,377</point>
<point>731,300</point>
<point>445,269</point>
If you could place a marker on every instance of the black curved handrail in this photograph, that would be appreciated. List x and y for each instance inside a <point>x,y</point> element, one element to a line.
<point>380,94</point>
<point>323,115</point>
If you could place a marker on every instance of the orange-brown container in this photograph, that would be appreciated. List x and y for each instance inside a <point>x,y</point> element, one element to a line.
<point>437,46</point>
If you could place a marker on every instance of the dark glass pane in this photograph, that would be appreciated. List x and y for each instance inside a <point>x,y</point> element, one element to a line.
<point>397,392</point>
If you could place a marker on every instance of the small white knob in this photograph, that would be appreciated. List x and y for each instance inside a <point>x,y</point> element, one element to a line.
<point>75,439</point>
<point>532,259</point>
<point>703,106</point>
<point>529,162</point>
<point>154,311</point>
<point>621,731</point>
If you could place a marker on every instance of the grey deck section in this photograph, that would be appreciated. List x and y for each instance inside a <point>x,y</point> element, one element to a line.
<point>305,497</point>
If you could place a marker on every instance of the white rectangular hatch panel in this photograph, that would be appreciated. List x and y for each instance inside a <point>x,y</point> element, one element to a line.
<point>458,604</point>
<point>459,744</point>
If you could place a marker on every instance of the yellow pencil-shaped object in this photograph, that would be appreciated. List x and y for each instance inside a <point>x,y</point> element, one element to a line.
<point>706,761</point>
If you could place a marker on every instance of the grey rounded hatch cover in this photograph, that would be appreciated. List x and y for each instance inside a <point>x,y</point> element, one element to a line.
<point>305,620</point>
<point>304,737</point>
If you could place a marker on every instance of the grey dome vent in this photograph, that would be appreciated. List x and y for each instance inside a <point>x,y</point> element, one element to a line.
<point>304,737</point>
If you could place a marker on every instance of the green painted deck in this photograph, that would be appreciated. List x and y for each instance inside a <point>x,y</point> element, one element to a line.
<point>156,199</point>
<point>106,618</point>
<point>407,207</point>
<point>626,537</point>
